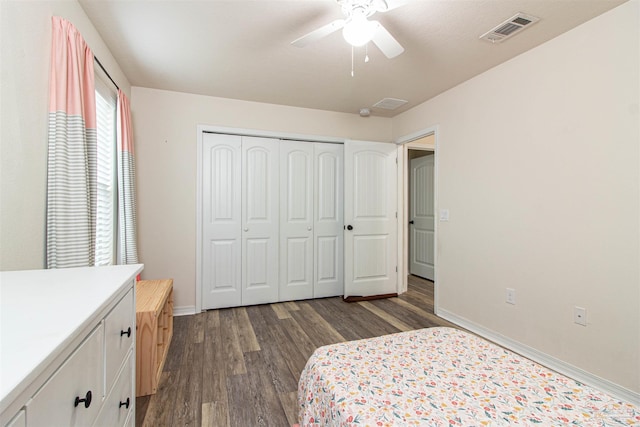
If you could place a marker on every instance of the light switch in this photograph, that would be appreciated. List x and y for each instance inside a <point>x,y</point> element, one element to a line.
<point>444,214</point>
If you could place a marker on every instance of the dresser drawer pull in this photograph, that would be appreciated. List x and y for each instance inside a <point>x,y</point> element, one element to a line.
<point>86,400</point>
<point>125,404</point>
<point>127,332</point>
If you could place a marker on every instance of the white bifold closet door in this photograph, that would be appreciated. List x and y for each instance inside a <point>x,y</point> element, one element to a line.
<point>311,226</point>
<point>272,224</point>
<point>260,206</point>
<point>240,199</point>
<point>221,221</point>
<point>328,220</point>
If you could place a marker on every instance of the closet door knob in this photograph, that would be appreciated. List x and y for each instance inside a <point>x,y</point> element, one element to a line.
<point>127,332</point>
<point>125,404</point>
<point>349,227</point>
<point>308,228</point>
<point>411,222</point>
<point>86,400</point>
<point>246,229</point>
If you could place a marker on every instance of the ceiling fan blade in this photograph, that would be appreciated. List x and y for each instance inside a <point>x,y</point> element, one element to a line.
<point>387,5</point>
<point>385,41</point>
<point>319,33</point>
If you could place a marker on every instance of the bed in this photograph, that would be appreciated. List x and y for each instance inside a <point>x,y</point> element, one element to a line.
<point>445,377</point>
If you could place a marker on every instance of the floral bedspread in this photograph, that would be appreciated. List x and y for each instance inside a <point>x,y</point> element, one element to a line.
<point>445,377</point>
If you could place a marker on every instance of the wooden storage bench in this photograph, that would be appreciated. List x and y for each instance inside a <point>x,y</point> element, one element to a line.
<point>154,329</point>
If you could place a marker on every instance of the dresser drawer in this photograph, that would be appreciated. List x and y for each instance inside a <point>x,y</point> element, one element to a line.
<point>58,403</point>
<point>120,334</point>
<point>120,403</point>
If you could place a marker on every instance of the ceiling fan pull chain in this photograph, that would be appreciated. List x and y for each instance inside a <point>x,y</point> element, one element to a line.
<point>352,74</point>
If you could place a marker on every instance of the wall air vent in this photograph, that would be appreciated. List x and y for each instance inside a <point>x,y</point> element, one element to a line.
<point>509,28</point>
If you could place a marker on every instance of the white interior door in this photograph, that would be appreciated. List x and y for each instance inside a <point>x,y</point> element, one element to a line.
<point>421,217</point>
<point>328,220</point>
<point>370,207</point>
<point>221,220</point>
<point>296,220</point>
<point>260,220</point>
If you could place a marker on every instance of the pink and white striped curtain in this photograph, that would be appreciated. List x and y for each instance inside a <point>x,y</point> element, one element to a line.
<point>127,247</point>
<point>72,154</point>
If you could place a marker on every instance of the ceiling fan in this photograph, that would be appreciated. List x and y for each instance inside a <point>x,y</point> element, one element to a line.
<point>357,29</point>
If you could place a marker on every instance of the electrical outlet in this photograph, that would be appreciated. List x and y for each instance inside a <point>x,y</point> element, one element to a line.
<point>511,296</point>
<point>580,315</point>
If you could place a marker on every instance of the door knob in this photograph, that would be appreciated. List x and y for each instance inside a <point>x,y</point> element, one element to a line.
<point>349,227</point>
<point>246,229</point>
<point>308,228</point>
<point>411,222</point>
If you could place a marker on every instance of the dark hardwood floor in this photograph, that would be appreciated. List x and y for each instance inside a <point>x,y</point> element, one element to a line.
<point>240,366</point>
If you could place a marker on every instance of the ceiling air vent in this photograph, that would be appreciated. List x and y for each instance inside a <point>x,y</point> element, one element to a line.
<point>510,27</point>
<point>390,103</point>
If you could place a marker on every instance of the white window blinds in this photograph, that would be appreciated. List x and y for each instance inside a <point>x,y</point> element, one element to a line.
<point>106,209</point>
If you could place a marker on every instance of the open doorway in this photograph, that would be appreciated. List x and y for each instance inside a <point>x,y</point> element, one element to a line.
<point>418,239</point>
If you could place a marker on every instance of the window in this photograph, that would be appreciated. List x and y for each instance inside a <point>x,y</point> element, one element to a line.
<point>106,203</point>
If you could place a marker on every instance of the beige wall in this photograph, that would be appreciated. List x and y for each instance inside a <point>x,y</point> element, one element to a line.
<point>165,132</point>
<point>25,54</point>
<point>539,165</point>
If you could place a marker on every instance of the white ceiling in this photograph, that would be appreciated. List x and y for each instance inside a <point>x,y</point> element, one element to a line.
<point>241,49</point>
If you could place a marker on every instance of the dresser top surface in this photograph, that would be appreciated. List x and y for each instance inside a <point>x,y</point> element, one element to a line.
<point>43,311</point>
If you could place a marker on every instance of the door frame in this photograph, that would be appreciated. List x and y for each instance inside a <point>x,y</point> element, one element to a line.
<point>405,143</point>
<point>202,129</point>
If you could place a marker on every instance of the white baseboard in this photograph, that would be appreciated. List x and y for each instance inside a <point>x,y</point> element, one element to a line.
<point>184,311</point>
<point>544,359</point>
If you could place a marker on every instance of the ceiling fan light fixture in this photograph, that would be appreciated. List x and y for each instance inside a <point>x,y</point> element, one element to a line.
<point>358,31</point>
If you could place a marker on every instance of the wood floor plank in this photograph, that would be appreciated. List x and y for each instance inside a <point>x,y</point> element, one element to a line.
<point>357,319</point>
<point>230,343</point>
<point>195,328</point>
<point>215,414</point>
<point>315,325</point>
<point>187,399</point>
<point>160,408</point>
<point>289,403</point>
<point>263,319</point>
<point>281,311</point>
<point>419,300</point>
<point>214,372</point>
<point>174,357</point>
<point>386,316</point>
<point>414,320</point>
<point>288,349</point>
<point>246,335</point>
<point>333,311</point>
<point>241,412</point>
<point>267,408</point>
<point>142,403</point>
<point>303,343</point>
<point>435,320</point>
<point>212,319</point>
<point>291,306</point>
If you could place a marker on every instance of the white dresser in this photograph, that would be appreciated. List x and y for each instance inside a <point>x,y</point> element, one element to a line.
<point>67,347</point>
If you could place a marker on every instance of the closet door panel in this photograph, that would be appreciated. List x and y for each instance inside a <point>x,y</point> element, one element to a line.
<point>296,220</point>
<point>221,221</point>
<point>260,220</point>
<point>328,220</point>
